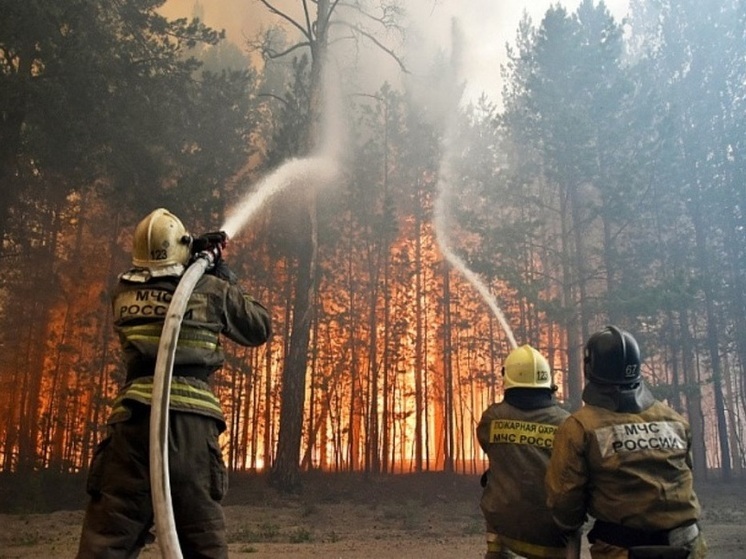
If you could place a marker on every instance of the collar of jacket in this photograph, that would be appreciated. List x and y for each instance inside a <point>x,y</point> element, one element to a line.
<point>529,398</point>
<point>143,275</point>
<point>619,398</point>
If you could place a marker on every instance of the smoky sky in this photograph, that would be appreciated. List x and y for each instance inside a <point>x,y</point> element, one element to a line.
<point>487,26</point>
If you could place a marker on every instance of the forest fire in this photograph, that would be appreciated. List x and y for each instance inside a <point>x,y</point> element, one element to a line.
<point>342,393</point>
<point>573,216</point>
<point>424,221</point>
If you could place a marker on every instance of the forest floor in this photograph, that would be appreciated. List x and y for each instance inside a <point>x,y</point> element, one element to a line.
<point>431,515</point>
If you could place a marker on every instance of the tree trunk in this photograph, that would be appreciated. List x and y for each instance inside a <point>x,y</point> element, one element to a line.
<point>373,462</point>
<point>693,398</point>
<point>285,472</point>
<point>712,341</point>
<point>419,358</point>
<point>574,340</point>
<point>447,374</point>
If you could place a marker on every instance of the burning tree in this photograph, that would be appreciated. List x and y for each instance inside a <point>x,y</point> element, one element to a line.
<point>355,23</point>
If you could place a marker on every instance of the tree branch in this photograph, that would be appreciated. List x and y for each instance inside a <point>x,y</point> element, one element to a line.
<point>287,18</point>
<point>275,97</point>
<point>333,6</point>
<point>307,14</point>
<point>288,50</point>
<point>379,44</point>
<point>391,13</point>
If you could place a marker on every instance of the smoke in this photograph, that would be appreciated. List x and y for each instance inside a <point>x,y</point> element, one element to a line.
<point>480,32</point>
<point>488,27</point>
<point>334,132</point>
<point>451,95</point>
<point>322,169</point>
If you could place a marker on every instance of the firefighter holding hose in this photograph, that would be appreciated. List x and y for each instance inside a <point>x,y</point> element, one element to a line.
<point>625,459</point>
<point>119,514</point>
<point>518,436</point>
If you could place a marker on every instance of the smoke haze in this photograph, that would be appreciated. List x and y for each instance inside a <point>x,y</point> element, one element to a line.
<point>487,25</point>
<point>474,35</point>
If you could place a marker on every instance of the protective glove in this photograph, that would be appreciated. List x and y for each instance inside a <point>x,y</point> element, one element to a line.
<point>217,254</point>
<point>221,270</point>
<point>212,243</point>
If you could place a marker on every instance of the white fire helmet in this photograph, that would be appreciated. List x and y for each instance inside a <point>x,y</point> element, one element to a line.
<point>526,368</point>
<point>161,244</point>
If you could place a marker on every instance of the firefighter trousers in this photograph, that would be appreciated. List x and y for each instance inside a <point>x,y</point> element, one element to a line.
<point>119,514</point>
<point>603,550</point>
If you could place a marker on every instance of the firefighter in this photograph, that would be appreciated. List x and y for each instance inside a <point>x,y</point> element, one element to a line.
<point>624,458</point>
<point>119,514</point>
<point>517,434</point>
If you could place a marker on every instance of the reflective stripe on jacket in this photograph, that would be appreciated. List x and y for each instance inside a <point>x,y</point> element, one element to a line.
<point>215,307</point>
<point>186,395</point>
<point>189,337</point>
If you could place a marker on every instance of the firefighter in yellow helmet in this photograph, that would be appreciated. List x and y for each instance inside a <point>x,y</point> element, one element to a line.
<point>624,458</point>
<point>518,435</point>
<point>119,514</point>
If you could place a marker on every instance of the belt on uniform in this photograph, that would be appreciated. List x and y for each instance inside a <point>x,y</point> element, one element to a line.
<point>200,372</point>
<point>624,536</point>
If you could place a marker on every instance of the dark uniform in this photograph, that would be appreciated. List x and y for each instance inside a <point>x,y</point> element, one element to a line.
<point>518,436</point>
<point>119,515</point>
<point>625,460</point>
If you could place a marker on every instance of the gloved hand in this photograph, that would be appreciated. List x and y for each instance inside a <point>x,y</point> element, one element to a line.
<point>217,254</point>
<point>221,270</point>
<point>212,243</point>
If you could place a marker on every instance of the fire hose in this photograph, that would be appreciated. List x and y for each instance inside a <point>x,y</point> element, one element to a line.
<point>160,484</point>
<point>573,545</point>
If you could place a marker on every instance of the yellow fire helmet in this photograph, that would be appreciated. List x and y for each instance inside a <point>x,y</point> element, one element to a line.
<point>161,244</point>
<point>526,368</point>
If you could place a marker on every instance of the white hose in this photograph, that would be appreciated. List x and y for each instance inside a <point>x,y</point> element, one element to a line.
<point>573,545</point>
<point>160,485</point>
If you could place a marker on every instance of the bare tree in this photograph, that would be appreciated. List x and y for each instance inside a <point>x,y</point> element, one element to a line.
<point>354,22</point>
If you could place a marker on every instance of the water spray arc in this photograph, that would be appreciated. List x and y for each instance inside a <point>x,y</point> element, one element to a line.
<point>451,102</point>
<point>318,170</point>
<point>295,172</point>
<point>458,262</point>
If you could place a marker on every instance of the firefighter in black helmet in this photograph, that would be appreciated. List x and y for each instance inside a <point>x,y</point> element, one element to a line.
<point>624,458</point>
<point>119,514</point>
<point>517,435</point>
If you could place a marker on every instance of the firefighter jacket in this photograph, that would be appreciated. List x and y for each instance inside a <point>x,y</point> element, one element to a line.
<point>629,468</point>
<point>215,307</point>
<point>519,442</point>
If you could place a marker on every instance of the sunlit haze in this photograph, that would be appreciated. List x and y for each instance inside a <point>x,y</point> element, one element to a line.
<point>488,25</point>
<point>483,30</point>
